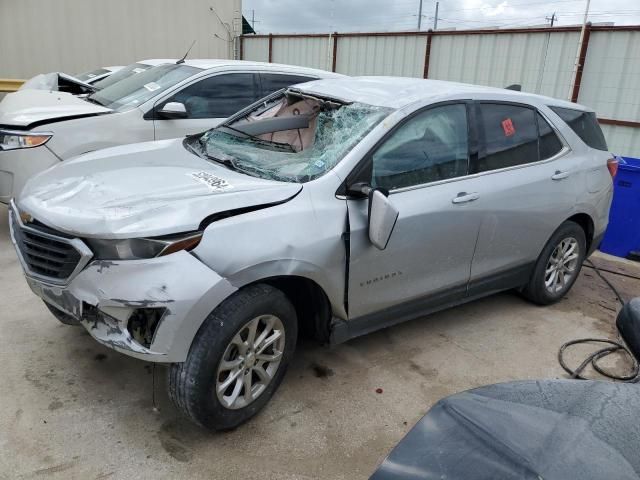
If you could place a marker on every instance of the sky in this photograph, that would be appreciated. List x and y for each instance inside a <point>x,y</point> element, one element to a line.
<point>314,16</point>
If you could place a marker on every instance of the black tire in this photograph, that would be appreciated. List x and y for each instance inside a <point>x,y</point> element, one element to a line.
<point>61,316</point>
<point>536,290</point>
<point>192,384</point>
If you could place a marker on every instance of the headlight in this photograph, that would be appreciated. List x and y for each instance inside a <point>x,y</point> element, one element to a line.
<point>12,140</point>
<point>136,248</point>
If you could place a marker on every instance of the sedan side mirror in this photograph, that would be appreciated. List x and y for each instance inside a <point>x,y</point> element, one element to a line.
<point>382,218</point>
<point>173,110</point>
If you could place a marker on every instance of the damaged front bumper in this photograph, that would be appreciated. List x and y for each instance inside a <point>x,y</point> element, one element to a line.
<point>150,309</point>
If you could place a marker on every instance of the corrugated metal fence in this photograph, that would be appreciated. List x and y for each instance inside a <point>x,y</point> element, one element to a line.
<point>540,59</point>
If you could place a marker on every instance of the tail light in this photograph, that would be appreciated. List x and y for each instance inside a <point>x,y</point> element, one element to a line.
<point>612,166</point>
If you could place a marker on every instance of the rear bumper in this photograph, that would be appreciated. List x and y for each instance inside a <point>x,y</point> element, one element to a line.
<point>17,166</point>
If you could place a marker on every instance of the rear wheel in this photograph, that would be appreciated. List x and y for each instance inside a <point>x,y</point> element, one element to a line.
<point>62,316</point>
<point>237,360</point>
<point>558,266</point>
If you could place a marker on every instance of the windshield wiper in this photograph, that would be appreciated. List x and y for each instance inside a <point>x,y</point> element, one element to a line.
<point>221,158</point>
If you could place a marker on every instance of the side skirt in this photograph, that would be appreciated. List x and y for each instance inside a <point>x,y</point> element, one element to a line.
<point>342,330</point>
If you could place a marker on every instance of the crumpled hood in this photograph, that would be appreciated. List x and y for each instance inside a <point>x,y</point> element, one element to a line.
<point>142,190</point>
<point>26,107</point>
<point>52,81</point>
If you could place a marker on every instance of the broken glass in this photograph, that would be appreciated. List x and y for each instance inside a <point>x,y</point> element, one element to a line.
<point>333,131</point>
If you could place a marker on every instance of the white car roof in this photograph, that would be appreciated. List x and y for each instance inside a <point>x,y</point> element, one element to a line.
<point>398,92</point>
<point>154,62</point>
<point>208,64</point>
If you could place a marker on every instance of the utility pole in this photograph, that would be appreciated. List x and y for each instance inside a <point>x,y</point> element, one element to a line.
<point>420,15</point>
<point>435,19</point>
<point>253,20</point>
<point>577,62</point>
<point>553,18</point>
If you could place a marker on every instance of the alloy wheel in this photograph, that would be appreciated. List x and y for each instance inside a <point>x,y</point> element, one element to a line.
<point>250,361</point>
<point>562,265</point>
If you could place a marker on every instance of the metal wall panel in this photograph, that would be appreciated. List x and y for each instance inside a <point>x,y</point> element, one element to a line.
<point>540,62</point>
<point>623,141</point>
<point>77,35</point>
<point>611,77</point>
<point>255,49</point>
<point>373,55</point>
<point>314,52</point>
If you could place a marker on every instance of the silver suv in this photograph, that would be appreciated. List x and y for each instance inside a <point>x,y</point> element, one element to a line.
<point>335,207</point>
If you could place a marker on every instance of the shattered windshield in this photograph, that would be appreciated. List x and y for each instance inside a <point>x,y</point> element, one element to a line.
<point>292,139</point>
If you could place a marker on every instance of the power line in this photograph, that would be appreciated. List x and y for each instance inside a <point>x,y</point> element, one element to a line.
<point>487,7</point>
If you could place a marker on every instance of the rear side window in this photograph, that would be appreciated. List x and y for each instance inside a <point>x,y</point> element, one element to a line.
<point>272,82</point>
<point>585,125</point>
<point>219,96</point>
<point>509,134</point>
<point>549,144</point>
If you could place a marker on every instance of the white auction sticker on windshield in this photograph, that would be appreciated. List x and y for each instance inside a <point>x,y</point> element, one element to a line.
<point>151,86</point>
<point>138,70</point>
<point>214,183</point>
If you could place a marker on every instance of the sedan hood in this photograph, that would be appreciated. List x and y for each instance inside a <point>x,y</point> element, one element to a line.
<point>25,108</point>
<point>142,190</point>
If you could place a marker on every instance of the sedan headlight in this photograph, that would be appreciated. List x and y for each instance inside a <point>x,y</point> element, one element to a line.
<point>137,248</point>
<point>12,140</point>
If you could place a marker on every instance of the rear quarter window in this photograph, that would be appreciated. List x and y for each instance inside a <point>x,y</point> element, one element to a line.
<point>548,143</point>
<point>585,125</point>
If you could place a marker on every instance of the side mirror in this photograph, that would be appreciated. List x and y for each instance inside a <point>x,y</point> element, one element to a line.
<point>382,218</point>
<point>173,110</point>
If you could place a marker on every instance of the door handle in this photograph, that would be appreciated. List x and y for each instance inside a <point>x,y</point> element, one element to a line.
<point>464,197</point>
<point>560,175</point>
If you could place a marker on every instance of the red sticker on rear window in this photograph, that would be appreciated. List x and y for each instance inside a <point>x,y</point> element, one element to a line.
<point>507,126</point>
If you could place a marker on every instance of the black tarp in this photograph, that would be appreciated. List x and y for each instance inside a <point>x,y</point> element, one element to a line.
<point>544,429</point>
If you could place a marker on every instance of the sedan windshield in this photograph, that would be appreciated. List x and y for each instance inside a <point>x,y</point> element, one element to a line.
<point>121,74</point>
<point>293,138</point>
<point>137,89</point>
<point>87,76</point>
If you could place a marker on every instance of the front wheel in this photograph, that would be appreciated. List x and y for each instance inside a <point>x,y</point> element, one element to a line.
<point>558,265</point>
<point>237,360</point>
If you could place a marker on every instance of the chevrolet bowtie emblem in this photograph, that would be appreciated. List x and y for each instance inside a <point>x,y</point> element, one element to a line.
<point>25,217</point>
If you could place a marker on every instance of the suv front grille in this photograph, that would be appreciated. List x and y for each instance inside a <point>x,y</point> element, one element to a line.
<point>46,253</point>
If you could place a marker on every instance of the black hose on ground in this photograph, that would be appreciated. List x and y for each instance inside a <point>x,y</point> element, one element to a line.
<point>612,347</point>
<point>619,297</point>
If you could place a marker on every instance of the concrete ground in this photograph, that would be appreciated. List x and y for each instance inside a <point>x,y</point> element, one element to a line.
<point>70,408</point>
